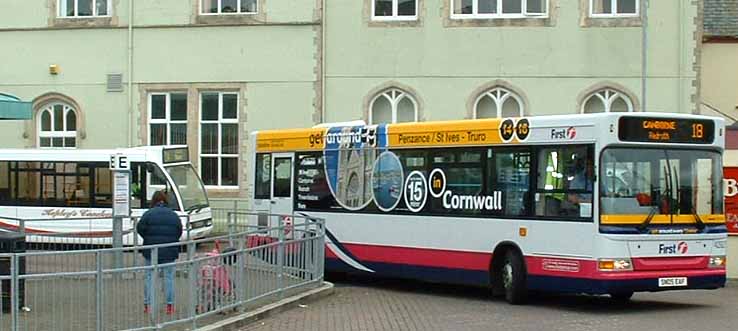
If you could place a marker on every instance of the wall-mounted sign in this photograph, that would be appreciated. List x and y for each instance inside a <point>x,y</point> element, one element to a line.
<point>731,199</point>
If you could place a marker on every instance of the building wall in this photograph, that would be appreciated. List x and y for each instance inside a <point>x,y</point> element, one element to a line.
<point>550,62</point>
<point>270,58</point>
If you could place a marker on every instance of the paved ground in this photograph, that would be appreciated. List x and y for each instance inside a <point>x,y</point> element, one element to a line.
<point>365,304</point>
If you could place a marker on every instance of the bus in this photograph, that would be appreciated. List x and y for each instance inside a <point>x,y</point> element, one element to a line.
<point>70,192</point>
<point>602,204</point>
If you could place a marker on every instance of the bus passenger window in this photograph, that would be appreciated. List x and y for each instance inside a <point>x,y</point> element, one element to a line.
<point>103,188</point>
<point>4,182</point>
<point>263,178</point>
<point>510,173</point>
<point>565,182</point>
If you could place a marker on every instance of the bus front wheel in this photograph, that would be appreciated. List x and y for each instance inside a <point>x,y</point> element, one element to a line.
<point>512,276</point>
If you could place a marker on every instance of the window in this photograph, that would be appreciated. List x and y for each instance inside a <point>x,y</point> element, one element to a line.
<point>510,173</point>
<point>613,8</point>
<point>225,7</point>
<point>263,177</point>
<point>463,171</point>
<point>282,177</point>
<point>498,8</point>
<point>393,106</point>
<point>498,102</point>
<point>565,181</point>
<point>57,127</point>
<point>219,138</point>
<point>84,8</point>
<point>388,10</point>
<point>168,119</point>
<point>606,101</point>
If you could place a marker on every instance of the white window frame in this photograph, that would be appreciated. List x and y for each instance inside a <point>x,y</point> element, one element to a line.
<point>62,6</point>
<point>475,11</point>
<point>167,116</point>
<point>220,9</point>
<point>65,133</point>
<point>614,9</point>
<point>220,156</point>
<point>395,16</point>
<point>499,95</point>
<point>393,102</point>
<point>610,95</point>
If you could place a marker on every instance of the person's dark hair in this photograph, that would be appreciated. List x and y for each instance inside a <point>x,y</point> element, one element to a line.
<point>159,197</point>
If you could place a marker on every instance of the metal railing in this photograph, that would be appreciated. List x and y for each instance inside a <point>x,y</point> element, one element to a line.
<point>103,288</point>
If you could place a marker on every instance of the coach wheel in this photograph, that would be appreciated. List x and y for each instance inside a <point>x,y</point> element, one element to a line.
<point>513,278</point>
<point>621,296</point>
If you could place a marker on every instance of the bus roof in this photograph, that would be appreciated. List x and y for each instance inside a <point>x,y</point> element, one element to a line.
<point>141,153</point>
<point>535,129</point>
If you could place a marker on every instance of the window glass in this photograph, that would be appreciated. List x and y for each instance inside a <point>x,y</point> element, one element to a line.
<point>229,6</point>
<point>463,6</point>
<point>263,176</point>
<point>102,7</point>
<point>71,124</point>
<point>229,138</point>
<point>209,138</point>
<point>230,106</point>
<point>219,138</point>
<point>178,107</point>
<point>602,6</point>
<point>382,111</point>
<point>464,175</point>
<point>626,6</point>
<point>229,171</point>
<point>312,189</point>
<point>510,173</point>
<point>487,6</point>
<point>209,170</point>
<point>103,187</point>
<point>565,182</point>
<point>178,134</point>
<point>512,7</point>
<point>58,118</point>
<point>283,177</point>
<point>158,106</point>
<point>158,134</point>
<point>209,107</point>
<point>248,6</point>
<point>406,7</point>
<point>5,185</point>
<point>382,7</point>
<point>536,6</point>
<point>84,7</point>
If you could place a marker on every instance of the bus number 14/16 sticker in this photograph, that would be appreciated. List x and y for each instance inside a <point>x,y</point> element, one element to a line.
<point>416,191</point>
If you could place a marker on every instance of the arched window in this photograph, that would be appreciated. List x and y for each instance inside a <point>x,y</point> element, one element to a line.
<point>605,101</point>
<point>498,102</point>
<point>57,127</point>
<point>393,106</point>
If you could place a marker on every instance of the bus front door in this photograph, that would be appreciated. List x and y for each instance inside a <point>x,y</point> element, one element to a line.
<point>282,193</point>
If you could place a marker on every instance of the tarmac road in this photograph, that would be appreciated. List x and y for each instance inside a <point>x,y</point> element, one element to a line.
<point>360,304</point>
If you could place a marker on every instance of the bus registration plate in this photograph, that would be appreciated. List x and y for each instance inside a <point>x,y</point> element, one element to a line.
<point>672,281</point>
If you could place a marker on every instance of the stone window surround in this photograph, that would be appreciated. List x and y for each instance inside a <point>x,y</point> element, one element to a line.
<point>259,17</point>
<point>369,97</point>
<point>82,22</point>
<point>30,132</point>
<point>586,94</point>
<point>547,21</point>
<point>586,21</point>
<point>410,23</point>
<point>471,101</point>
<point>193,91</point>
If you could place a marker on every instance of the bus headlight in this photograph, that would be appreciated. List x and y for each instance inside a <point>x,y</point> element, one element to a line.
<point>717,261</point>
<point>623,264</point>
<point>721,244</point>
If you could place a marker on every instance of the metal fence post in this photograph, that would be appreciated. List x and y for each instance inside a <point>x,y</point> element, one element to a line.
<point>98,291</point>
<point>14,292</point>
<point>240,283</point>
<point>192,278</point>
<point>154,289</point>
<point>280,257</point>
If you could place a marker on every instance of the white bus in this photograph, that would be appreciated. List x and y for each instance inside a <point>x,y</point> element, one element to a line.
<point>601,204</point>
<point>71,191</point>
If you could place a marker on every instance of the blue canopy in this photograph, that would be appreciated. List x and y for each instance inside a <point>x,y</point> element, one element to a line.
<point>12,108</point>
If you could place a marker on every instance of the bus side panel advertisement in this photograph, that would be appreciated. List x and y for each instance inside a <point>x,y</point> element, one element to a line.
<point>731,199</point>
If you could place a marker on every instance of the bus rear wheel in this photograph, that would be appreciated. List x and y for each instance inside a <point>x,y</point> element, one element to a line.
<point>512,277</point>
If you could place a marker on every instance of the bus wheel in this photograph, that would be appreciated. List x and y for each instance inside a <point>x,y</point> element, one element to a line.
<point>513,278</point>
<point>622,296</point>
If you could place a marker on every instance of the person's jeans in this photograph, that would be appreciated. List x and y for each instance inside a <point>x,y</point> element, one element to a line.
<point>168,283</point>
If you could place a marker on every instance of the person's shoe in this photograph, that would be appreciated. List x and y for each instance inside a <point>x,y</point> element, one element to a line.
<point>147,309</point>
<point>170,309</point>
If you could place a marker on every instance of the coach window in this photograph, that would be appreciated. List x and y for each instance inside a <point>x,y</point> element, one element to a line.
<point>263,176</point>
<point>509,171</point>
<point>565,179</point>
<point>464,176</point>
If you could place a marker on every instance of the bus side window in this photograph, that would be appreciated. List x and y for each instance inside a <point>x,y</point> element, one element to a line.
<point>103,197</point>
<point>509,172</point>
<point>138,185</point>
<point>565,181</point>
<point>5,183</point>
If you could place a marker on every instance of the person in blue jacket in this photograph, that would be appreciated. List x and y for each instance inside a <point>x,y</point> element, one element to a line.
<point>160,225</point>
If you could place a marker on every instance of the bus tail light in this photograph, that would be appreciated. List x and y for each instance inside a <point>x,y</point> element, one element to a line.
<point>717,261</point>
<point>623,264</point>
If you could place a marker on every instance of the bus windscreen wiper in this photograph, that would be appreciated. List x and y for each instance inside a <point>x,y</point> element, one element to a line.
<point>198,206</point>
<point>698,219</point>
<point>644,225</point>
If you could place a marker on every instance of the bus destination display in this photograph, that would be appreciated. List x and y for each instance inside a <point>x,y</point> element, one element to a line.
<point>667,130</point>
